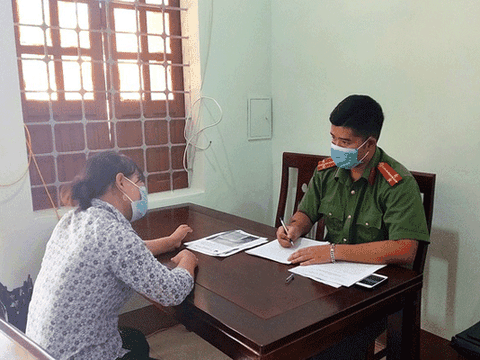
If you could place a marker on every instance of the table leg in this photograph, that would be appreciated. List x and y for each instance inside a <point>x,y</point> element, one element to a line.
<point>403,334</point>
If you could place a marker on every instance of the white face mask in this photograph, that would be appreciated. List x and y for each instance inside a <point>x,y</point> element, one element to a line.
<point>139,207</point>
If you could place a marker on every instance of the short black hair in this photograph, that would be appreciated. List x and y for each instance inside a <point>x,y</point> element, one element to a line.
<point>99,174</point>
<point>360,113</point>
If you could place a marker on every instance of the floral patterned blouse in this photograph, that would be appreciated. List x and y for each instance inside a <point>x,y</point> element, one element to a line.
<point>93,263</point>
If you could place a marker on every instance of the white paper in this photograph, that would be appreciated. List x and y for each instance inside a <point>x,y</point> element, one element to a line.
<point>225,243</point>
<point>340,272</point>
<point>276,252</point>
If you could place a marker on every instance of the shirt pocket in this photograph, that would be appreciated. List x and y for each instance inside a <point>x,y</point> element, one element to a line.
<point>369,226</point>
<point>334,218</point>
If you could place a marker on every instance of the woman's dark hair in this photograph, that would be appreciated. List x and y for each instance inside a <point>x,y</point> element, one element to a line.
<point>360,113</point>
<point>99,174</point>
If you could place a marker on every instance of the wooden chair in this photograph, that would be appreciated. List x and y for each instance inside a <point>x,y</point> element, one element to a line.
<point>3,312</point>
<point>426,183</point>
<point>15,303</point>
<point>305,164</point>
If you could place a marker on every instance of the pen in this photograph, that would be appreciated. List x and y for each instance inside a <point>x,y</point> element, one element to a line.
<point>289,279</point>
<point>286,231</point>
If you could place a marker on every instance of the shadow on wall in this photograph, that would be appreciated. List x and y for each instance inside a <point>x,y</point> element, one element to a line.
<point>439,286</point>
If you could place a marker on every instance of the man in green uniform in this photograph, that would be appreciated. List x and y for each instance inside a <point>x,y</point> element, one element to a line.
<point>371,203</point>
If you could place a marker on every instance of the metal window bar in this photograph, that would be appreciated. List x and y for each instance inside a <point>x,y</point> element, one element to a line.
<point>67,116</point>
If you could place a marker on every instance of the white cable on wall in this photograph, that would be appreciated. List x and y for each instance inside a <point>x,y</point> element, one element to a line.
<point>192,130</point>
<point>194,117</point>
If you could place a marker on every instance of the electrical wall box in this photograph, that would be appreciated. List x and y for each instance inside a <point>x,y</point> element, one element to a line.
<point>259,118</point>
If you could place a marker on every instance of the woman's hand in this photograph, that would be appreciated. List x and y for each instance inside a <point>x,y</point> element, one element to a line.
<point>187,260</point>
<point>312,255</point>
<point>179,234</point>
<point>168,243</point>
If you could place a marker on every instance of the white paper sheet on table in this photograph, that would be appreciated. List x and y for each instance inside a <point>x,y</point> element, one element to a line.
<point>225,243</point>
<point>274,251</point>
<point>338,274</point>
<point>341,272</point>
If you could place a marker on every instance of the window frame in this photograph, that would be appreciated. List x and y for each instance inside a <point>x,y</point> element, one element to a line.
<point>161,122</point>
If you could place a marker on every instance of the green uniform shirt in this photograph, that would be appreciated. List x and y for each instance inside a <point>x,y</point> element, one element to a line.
<point>360,212</point>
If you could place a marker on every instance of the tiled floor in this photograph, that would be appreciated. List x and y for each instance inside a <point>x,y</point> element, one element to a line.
<point>177,343</point>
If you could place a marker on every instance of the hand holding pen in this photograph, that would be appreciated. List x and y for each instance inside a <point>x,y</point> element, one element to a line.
<point>281,238</point>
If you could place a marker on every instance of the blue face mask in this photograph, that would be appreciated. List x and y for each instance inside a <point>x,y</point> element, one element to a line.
<point>139,207</point>
<point>346,158</point>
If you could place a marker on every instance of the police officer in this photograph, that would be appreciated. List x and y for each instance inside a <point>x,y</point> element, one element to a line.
<point>370,202</point>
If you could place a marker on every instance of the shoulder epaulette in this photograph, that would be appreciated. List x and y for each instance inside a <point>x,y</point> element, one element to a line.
<point>389,174</point>
<point>325,164</point>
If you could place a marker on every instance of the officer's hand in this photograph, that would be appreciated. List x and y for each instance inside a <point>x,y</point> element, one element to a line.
<point>312,255</point>
<point>287,240</point>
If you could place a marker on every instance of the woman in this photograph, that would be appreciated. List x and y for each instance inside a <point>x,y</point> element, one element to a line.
<point>94,261</point>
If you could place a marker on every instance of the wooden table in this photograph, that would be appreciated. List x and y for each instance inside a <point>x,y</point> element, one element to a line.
<point>242,305</point>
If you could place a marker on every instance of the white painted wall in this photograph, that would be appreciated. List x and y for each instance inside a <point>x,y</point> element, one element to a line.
<point>420,60</point>
<point>237,173</point>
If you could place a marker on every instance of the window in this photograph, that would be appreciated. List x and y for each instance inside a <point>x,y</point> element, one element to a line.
<point>98,75</point>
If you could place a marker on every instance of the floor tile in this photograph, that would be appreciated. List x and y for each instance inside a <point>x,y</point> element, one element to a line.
<point>177,343</point>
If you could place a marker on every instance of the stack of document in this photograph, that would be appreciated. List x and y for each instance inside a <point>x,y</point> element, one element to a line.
<point>226,243</point>
<point>337,274</point>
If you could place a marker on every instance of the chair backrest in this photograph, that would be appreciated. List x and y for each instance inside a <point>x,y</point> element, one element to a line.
<point>3,312</point>
<point>305,165</point>
<point>426,183</point>
<point>15,303</point>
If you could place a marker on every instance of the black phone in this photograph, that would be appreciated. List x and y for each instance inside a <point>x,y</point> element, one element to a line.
<point>372,280</point>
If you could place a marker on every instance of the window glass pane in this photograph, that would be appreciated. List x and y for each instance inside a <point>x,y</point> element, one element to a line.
<point>84,39</point>
<point>129,74</point>
<point>53,83</point>
<point>126,43</point>
<point>82,16</point>
<point>156,44</point>
<point>71,16</point>
<point>67,15</point>
<point>154,22</point>
<point>158,82</point>
<point>87,78</point>
<point>68,38</point>
<point>73,77</point>
<point>31,35</point>
<point>167,32</point>
<point>30,12</point>
<point>35,77</point>
<point>125,20</point>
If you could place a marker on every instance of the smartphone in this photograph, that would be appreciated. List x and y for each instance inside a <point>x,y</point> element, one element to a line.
<point>372,281</point>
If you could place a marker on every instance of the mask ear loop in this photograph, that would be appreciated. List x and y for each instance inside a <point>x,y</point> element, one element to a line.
<point>124,194</point>
<point>363,158</point>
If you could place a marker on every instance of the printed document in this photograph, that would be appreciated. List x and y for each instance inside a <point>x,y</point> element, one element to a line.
<point>226,243</point>
<point>340,273</point>
<point>336,274</point>
<point>276,252</point>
